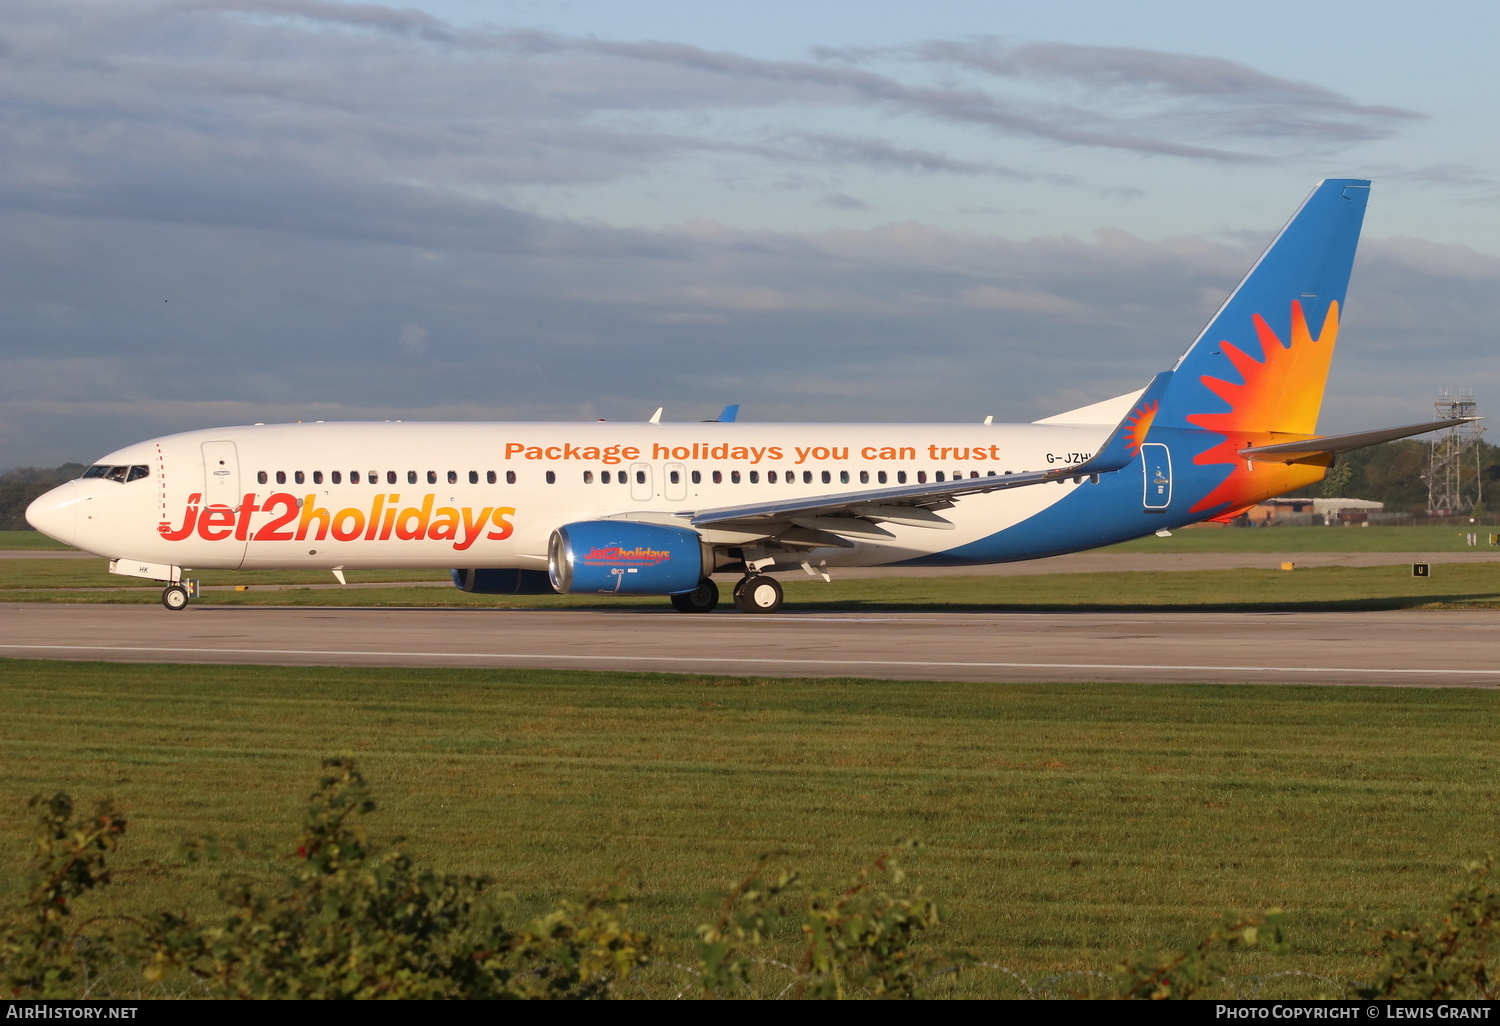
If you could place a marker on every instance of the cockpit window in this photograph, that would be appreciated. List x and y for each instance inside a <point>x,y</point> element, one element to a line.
<point>118,474</point>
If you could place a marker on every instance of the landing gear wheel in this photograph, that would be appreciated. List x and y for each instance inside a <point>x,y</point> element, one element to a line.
<point>701,599</point>
<point>174,597</point>
<point>757,594</point>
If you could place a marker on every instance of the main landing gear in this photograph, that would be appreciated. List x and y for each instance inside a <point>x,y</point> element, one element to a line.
<point>757,593</point>
<point>701,599</point>
<point>175,596</point>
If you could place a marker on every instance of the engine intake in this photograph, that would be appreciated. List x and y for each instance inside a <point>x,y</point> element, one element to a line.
<point>621,557</point>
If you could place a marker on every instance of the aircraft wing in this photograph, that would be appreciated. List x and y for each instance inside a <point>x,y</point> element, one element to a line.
<point>1311,448</point>
<point>857,512</point>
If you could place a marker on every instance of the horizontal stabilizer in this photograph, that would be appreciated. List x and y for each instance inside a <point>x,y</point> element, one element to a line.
<point>1311,448</point>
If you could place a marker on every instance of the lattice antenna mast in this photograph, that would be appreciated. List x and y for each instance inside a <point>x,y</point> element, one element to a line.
<point>1454,471</point>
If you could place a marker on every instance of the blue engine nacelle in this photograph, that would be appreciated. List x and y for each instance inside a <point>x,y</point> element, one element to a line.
<point>621,557</point>
<point>503,582</point>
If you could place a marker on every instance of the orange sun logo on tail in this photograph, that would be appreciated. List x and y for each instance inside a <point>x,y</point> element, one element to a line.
<point>1280,395</point>
<point>1138,425</point>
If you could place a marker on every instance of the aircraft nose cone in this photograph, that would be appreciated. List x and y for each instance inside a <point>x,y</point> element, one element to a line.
<point>55,513</point>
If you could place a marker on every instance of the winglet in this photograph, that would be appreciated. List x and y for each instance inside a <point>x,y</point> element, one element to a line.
<point>1128,436</point>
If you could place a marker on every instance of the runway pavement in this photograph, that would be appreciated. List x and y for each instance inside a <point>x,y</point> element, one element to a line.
<point>1424,649</point>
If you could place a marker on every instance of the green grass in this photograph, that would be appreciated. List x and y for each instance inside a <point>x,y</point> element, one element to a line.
<point>39,573</point>
<point>1064,822</point>
<point>29,540</point>
<point>1454,585</point>
<point>1314,539</point>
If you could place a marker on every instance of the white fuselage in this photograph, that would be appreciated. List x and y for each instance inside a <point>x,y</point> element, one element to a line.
<point>444,495</point>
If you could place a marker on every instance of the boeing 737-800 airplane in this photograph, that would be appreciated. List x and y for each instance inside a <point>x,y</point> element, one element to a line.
<point>657,509</point>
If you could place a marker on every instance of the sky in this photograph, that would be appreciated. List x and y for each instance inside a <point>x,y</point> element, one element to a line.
<point>219,212</point>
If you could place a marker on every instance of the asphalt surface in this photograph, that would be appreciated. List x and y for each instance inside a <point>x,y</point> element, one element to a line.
<point>1422,649</point>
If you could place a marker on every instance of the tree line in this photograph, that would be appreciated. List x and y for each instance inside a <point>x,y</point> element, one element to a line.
<point>18,487</point>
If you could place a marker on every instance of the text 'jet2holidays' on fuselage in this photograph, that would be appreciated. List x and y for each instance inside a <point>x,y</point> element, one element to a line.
<point>657,509</point>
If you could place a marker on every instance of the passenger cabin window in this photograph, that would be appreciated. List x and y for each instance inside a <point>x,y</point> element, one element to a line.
<point>510,477</point>
<point>675,477</point>
<point>901,477</point>
<point>604,477</point>
<point>281,477</point>
<point>880,476</point>
<point>411,477</point>
<point>697,477</point>
<point>921,477</point>
<point>588,477</point>
<point>734,477</point>
<point>754,477</point>
<point>390,477</point>
<point>640,477</point>
<point>473,477</point>
<point>299,477</point>
<point>318,476</point>
<point>551,477</point>
<point>374,477</point>
<point>864,477</point>
<point>489,477</point>
<point>261,478</point>
<point>336,477</point>
<point>354,477</point>
<point>843,477</point>
<point>432,477</point>
<point>770,477</point>
<point>939,477</point>
<point>807,477</point>
<point>453,477</point>
<point>827,478</point>
<point>718,477</point>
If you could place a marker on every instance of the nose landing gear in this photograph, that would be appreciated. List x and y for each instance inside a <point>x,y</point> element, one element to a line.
<point>174,596</point>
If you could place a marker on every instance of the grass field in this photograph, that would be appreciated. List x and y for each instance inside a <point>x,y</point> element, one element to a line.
<point>29,540</point>
<point>1469,586</point>
<point>1065,822</point>
<point>1314,539</point>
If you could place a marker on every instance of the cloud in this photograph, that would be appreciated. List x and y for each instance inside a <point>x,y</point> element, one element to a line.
<point>413,340</point>
<point>1207,95</point>
<point>332,200</point>
<point>842,201</point>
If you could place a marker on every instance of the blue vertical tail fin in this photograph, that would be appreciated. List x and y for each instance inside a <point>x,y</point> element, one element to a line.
<point>1262,363</point>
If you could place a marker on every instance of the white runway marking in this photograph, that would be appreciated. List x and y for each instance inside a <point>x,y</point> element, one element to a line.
<point>547,657</point>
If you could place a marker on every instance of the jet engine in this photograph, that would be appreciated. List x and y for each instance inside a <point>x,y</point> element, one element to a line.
<point>622,557</point>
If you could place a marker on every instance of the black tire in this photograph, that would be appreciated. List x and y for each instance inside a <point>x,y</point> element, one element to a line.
<point>174,597</point>
<point>757,594</point>
<point>701,599</point>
